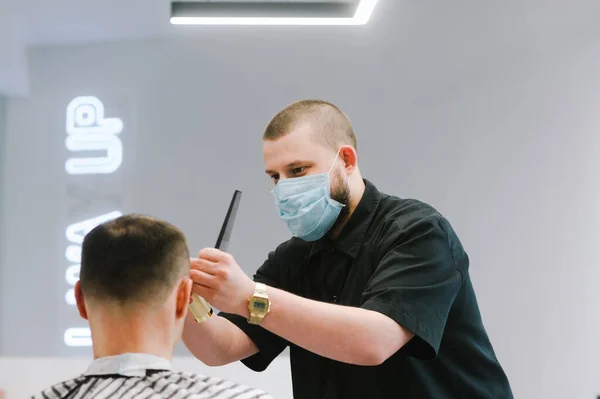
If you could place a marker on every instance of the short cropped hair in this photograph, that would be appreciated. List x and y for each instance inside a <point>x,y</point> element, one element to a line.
<point>132,259</point>
<point>328,121</point>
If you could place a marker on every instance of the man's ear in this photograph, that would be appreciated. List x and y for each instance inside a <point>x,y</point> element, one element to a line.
<point>184,291</point>
<point>350,157</point>
<point>80,300</point>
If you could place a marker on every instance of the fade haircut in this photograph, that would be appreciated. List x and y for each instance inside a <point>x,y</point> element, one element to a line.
<point>329,122</point>
<point>133,259</point>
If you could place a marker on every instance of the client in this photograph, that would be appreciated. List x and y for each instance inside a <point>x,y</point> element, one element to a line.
<point>134,290</point>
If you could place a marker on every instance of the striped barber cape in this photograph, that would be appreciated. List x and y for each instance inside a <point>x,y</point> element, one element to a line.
<point>142,376</point>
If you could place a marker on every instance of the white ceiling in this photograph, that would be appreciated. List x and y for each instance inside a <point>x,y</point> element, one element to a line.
<point>25,23</point>
<point>45,22</point>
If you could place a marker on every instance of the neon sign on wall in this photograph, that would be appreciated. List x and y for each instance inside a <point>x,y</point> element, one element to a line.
<point>88,130</point>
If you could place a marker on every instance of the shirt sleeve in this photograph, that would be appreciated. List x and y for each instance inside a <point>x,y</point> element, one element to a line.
<point>416,282</point>
<point>269,345</point>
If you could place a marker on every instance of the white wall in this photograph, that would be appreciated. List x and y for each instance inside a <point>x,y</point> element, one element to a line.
<point>22,377</point>
<point>13,56</point>
<point>487,110</point>
<point>3,154</point>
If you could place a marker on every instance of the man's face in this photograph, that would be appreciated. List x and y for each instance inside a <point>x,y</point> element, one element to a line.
<point>301,153</point>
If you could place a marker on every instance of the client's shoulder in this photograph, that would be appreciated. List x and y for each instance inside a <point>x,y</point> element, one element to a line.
<point>61,390</point>
<point>200,386</point>
<point>163,383</point>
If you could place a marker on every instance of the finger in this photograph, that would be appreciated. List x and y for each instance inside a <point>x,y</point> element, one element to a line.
<point>212,254</point>
<point>203,265</point>
<point>203,279</point>
<point>202,291</point>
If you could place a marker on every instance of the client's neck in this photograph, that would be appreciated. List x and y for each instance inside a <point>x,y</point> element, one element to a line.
<point>114,333</point>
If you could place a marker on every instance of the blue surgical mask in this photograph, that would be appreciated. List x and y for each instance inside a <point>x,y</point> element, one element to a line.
<point>305,205</point>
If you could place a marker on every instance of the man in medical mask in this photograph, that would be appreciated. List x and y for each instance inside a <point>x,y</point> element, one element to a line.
<point>372,294</point>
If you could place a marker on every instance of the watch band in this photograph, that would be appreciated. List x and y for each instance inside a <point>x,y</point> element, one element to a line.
<point>260,289</point>
<point>255,319</point>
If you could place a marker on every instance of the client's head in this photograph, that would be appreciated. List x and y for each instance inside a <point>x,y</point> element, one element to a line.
<point>134,285</point>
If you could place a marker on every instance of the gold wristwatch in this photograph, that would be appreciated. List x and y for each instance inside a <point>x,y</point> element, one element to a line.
<point>259,304</point>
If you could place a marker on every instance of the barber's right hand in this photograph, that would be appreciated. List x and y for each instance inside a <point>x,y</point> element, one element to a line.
<point>194,270</point>
<point>221,281</point>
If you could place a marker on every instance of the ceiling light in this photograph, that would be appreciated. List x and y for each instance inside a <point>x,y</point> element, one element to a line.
<point>271,13</point>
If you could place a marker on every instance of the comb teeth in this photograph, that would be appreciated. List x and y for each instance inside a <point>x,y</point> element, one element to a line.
<point>227,228</point>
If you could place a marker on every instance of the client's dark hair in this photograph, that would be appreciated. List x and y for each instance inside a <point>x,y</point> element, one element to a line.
<point>133,258</point>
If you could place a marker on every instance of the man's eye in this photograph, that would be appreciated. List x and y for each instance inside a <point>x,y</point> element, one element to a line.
<point>297,171</point>
<point>275,178</point>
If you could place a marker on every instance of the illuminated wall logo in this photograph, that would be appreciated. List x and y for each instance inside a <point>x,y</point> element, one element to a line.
<point>88,130</point>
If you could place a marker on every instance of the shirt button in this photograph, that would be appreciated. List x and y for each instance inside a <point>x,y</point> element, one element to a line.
<point>330,249</point>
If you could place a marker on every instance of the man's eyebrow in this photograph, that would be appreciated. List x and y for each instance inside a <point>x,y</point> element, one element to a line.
<point>288,166</point>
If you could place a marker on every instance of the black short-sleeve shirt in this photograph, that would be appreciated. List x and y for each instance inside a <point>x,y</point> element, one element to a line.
<point>399,257</point>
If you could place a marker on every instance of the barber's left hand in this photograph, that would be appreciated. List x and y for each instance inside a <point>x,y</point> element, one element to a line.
<point>219,279</point>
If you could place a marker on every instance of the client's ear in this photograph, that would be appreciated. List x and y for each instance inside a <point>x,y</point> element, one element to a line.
<point>80,300</point>
<point>184,291</point>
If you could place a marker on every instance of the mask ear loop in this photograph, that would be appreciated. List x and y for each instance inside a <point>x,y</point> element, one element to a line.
<point>331,167</point>
<point>334,159</point>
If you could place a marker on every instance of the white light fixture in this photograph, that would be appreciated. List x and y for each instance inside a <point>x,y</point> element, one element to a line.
<point>78,337</point>
<point>332,13</point>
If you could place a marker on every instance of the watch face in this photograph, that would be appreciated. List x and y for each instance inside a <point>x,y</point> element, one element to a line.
<point>260,304</point>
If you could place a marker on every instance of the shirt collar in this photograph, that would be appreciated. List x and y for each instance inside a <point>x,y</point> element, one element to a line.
<point>128,364</point>
<point>351,238</point>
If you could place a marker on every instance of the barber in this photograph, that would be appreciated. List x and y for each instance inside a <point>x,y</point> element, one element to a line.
<point>372,294</point>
